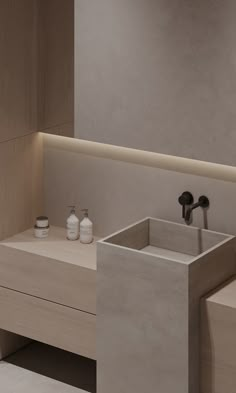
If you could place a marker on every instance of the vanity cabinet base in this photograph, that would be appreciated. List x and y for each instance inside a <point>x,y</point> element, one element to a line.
<point>48,290</point>
<point>53,269</point>
<point>47,322</point>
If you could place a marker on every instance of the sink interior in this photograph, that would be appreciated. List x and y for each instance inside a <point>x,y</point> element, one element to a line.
<point>167,239</point>
<point>165,253</point>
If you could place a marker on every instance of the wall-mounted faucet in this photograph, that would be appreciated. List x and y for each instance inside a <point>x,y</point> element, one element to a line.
<point>186,200</point>
<point>203,202</point>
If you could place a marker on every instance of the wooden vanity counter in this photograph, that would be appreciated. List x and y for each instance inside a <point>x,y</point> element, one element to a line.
<point>48,290</point>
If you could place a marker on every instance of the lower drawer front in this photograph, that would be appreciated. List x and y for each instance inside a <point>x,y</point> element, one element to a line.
<point>49,279</point>
<point>48,322</point>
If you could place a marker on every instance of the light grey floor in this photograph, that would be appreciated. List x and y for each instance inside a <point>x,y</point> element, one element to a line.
<point>14,379</point>
<point>39,368</point>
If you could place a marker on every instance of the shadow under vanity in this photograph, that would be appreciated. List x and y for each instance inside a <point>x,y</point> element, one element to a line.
<point>130,301</point>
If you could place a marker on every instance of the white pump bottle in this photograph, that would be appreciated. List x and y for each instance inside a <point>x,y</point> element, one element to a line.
<point>86,229</point>
<point>72,225</point>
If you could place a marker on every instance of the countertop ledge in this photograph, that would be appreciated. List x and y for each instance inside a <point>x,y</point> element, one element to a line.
<point>56,246</point>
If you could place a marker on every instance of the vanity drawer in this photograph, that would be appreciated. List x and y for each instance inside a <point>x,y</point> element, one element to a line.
<point>61,282</point>
<point>47,322</point>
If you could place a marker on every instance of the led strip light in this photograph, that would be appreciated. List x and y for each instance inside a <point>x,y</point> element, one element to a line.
<point>134,156</point>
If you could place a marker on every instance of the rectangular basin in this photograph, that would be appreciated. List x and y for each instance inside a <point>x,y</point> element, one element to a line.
<point>151,277</point>
<point>166,239</point>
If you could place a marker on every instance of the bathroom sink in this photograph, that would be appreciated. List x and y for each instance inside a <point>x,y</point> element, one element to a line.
<point>151,277</point>
<point>167,239</point>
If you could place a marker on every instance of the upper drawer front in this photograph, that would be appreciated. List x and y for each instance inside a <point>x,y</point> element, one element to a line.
<point>60,282</point>
<point>51,323</point>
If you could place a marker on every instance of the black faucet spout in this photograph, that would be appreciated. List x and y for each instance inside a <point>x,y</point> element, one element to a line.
<point>203,202</point>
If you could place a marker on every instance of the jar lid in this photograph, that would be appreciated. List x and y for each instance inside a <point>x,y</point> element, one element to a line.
<point>41,228</point>
<point>42,222</point>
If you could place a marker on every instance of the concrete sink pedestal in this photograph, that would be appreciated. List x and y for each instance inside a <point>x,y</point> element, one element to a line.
<point>151,277</point>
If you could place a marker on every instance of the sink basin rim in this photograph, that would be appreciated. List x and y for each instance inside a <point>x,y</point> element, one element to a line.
<point>108,240</point>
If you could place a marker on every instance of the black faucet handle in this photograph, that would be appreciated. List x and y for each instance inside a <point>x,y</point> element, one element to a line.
<point>185,199</point>
<point>204,202</point>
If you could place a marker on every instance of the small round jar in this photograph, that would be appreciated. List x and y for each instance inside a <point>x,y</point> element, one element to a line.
<point>41,229</point>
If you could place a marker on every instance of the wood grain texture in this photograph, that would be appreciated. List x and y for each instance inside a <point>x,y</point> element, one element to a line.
<point>68,279</point>
<point>21,195</point>
<point>218,340</point>
<point>65,129</point>
<point>18,68</point>
<point>53,324</point>
<point>56,66</point>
